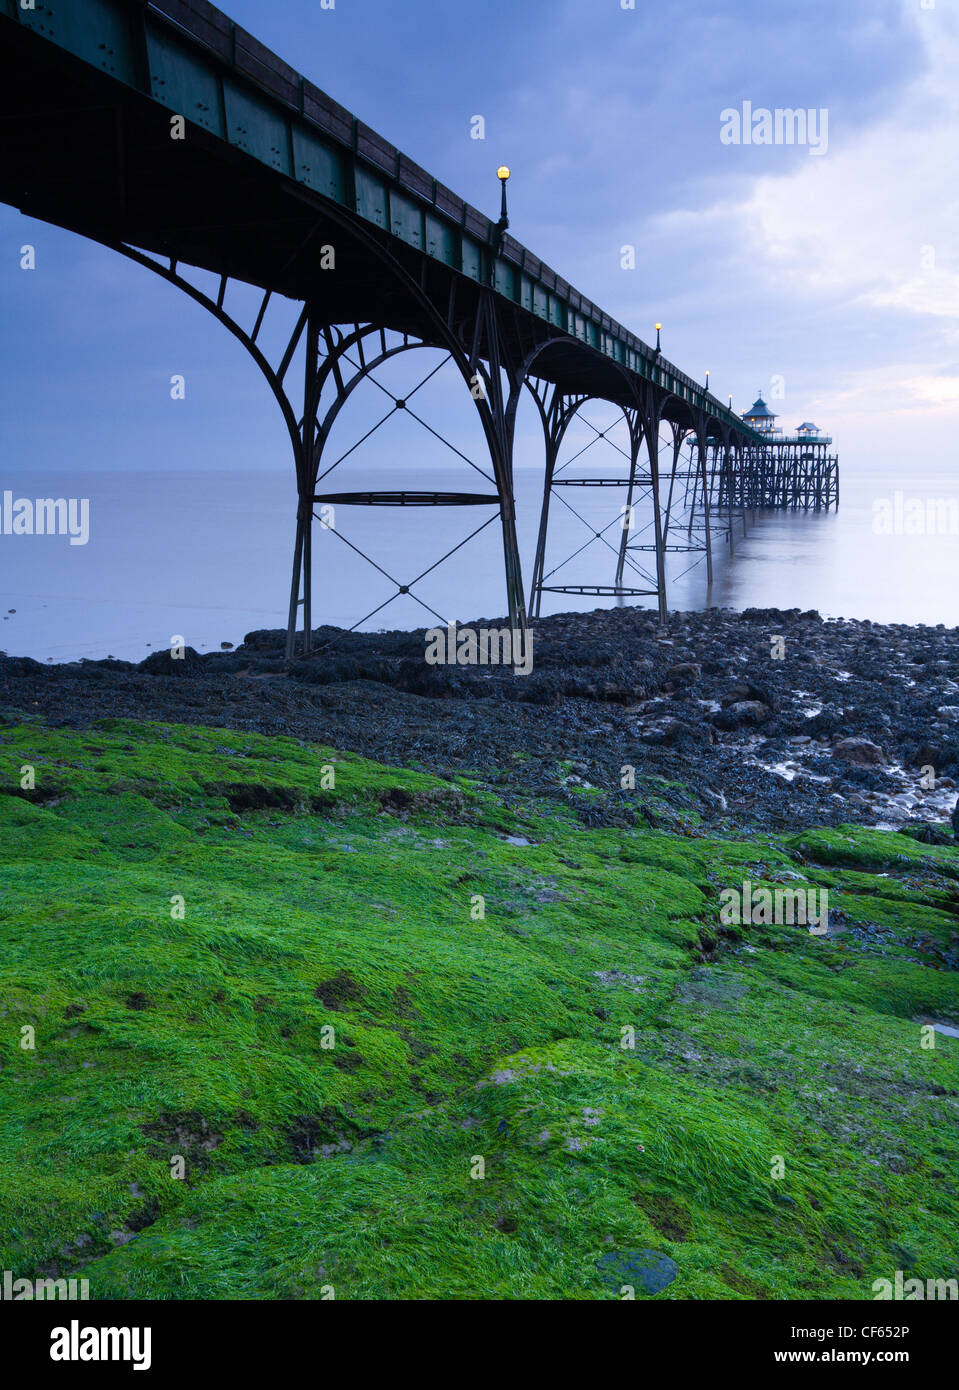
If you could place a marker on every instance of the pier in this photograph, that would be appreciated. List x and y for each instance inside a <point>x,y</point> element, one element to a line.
<point>166,132</point>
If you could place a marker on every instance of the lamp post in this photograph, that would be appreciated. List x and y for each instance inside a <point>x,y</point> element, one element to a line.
<point>502,173</point>
<point>499,231</point>
<point>658,327</point>
<point>707,378</point>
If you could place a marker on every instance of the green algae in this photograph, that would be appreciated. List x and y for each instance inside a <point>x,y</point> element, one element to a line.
<point>541,1053</point>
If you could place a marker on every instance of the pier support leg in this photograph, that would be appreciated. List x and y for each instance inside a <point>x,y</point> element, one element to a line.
<point>651,428</point>
<point>730,495</point>
<point>635,445</point>
<point>539,563</point>
<point>702,450</point>
<point>307,460</point>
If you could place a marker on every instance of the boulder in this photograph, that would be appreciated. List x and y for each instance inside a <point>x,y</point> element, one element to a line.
<point>163,663</point>
<point>670,730</point>
<point>927,755</point>
<point>742,713</point>
<point>685,671</point>
<point>859,751</point>
<point>927,833</point>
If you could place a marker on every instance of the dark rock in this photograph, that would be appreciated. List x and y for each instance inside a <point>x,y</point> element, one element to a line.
<point>859,751</point>
<point>163,663</point>
<point>668,730</point>
<point>742,713</point>
<point>928,834</point>
<point>685,671</point>
<point>827,721</point>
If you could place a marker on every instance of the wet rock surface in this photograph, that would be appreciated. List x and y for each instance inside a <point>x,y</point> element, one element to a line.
<point>856,723</point>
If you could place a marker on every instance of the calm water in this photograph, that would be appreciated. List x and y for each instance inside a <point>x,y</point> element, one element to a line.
<point>207,556</point>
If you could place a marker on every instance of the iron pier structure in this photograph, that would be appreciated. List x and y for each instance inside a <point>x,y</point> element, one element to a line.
<point>787,470</point>
<point>162,129</point>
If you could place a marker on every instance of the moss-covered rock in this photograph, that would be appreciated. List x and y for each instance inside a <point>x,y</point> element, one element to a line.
<point>277,1022</point>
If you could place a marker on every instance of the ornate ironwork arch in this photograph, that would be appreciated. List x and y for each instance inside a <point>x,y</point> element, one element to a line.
<point>308,434</point>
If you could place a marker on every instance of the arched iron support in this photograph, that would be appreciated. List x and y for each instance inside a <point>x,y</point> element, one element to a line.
<point>346,364</point>
<point>274,376</point>
<point>307,435</point>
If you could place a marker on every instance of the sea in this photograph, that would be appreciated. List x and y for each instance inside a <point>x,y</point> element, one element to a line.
<point>205,557</point>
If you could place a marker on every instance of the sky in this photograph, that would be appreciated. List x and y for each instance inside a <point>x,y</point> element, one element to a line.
<point>828,280</point>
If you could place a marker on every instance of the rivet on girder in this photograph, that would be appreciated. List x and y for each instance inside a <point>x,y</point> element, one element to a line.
<point>401,405</point>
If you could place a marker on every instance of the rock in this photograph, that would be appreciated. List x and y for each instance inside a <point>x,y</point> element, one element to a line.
<point>928,833</point>
<point>670,730</point>
<point>743,712</point>
<point>648,1271</point>
<point>586,706</point>
<point>685,671</point>
<point>163,663</point>
<point>955,820</point>
<point>859,751</point>
<point>827,721</point>
<point>751,690</point>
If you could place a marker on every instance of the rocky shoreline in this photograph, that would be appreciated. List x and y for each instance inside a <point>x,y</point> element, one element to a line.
<point>840,721</point>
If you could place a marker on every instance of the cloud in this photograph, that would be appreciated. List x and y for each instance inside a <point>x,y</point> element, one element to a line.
<point>873,223</point>
<point>925,386</point>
